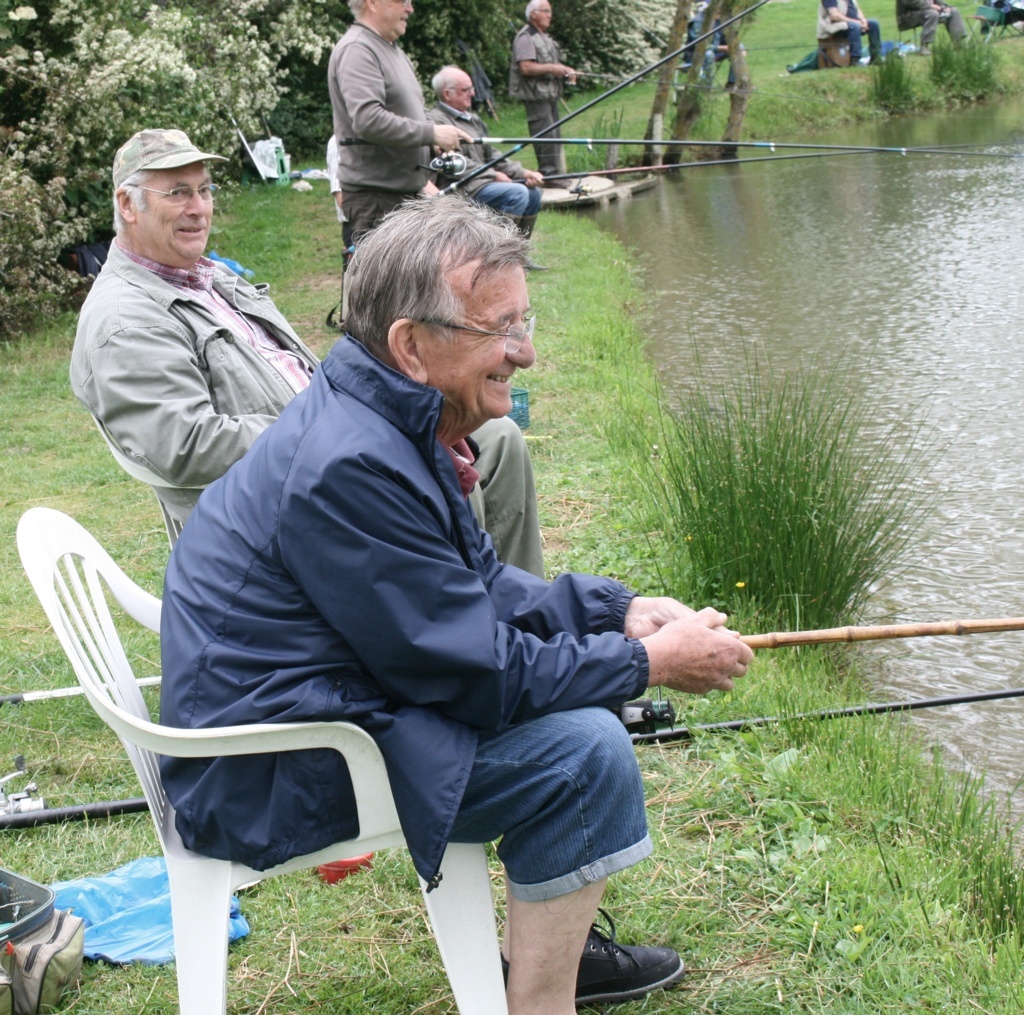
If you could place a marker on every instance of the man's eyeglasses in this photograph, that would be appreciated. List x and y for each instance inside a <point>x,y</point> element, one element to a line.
<point>514,336</point>
<point>182,195</point>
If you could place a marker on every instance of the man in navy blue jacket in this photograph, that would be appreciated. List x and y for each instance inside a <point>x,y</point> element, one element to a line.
<point>336,573</point>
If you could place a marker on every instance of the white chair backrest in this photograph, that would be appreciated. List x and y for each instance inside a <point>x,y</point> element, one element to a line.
<point>72,575</point>
<point>139,471</point>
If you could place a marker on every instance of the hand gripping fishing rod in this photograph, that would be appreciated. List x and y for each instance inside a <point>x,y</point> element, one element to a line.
<point>523,142</point>
<point>837,635</point>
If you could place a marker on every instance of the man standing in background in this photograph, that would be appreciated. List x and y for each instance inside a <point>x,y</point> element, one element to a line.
<point>537,76</point>
<point>376,98</point>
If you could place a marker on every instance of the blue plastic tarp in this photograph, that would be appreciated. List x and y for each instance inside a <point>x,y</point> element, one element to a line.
<point>127,913</point>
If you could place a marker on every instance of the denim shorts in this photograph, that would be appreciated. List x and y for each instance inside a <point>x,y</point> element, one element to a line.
<point>564,797</point>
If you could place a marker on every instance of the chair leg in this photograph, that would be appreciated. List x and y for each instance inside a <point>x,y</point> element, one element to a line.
<point>200,900</point>
<point>461,911</point>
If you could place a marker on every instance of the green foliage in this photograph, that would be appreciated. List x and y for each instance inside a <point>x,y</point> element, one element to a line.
<point>76,87</point>
<point>604,36</point>
<point>781,495</point>
<point>892,84</point>
<point>965,73</point>
<point>33,286</point>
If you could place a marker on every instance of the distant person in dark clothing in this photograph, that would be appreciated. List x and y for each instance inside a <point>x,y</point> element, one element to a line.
<point>928,16</point>
<point>717,48</point>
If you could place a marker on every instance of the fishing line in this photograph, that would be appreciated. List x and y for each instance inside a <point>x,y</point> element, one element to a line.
<point>697,163</point>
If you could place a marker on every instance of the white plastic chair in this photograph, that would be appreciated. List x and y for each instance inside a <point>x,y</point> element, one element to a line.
<point>139,471</point>
<point>73,575</point>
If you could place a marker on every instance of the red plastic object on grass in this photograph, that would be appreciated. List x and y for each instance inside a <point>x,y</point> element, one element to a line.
<point>332,872</point>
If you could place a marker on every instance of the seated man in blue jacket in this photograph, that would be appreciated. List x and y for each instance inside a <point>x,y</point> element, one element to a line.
<point>336,573</point>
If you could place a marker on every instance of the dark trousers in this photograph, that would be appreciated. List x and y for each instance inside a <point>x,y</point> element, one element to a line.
<point>541,114</point>
<point>365,208</point>
<point>874,34</point>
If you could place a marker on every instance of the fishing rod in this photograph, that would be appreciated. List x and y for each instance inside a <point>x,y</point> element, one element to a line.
<point>60,692</point>
<point>455,184</point>
<point>734,725</point>
<point>78,812</point>
<point>772,146</point>
<point>134,805</point>
<point>835,635</point>
<point>693,165</point>
<point>648,718</point>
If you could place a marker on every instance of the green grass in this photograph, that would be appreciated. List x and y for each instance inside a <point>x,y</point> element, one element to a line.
<point>808,866</point>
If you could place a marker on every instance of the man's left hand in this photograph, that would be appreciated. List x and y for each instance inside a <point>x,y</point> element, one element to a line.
<point>647,614</point>
<point>532,179</point>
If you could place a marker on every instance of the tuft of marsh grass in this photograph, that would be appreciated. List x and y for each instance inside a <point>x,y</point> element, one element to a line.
<point>965,73</point>
<point>892,85</point>
<point>782,495</point>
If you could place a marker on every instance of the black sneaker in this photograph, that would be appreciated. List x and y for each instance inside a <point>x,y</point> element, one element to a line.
<point>610,971</point>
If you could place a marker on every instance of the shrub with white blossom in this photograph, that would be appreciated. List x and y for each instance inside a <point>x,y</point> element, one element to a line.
<point>78,77</point>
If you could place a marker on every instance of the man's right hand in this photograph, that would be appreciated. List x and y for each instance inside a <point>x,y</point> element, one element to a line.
<point>696,654</point>
<point>448,138</point>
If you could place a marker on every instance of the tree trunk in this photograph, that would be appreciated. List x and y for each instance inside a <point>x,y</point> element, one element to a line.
<point>690,103</point>
<point>666,74</point>
<point>740,94</point>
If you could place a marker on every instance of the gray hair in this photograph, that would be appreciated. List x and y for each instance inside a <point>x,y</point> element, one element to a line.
<point>136,196</point>
<point>401,268</point>
<point>444,79</point>
<point>532,6</point>
<point>356,6</point>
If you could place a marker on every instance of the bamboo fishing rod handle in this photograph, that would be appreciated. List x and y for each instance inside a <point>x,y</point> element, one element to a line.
<point>780,639</point>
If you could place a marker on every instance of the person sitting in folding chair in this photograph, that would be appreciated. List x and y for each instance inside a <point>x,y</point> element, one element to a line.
<point>841,19</point>
<point>507,186</point>
<point>927,16</point>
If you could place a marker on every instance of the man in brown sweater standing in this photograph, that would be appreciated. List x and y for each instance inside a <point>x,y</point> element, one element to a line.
<point>377,99</point>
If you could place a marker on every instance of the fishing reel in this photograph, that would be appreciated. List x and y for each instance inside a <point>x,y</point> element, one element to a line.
<point>449,164</point>
<point>19,803</point>
<point>644,715</point>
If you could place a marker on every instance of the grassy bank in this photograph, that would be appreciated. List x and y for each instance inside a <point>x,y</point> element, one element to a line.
<point>825,867</point>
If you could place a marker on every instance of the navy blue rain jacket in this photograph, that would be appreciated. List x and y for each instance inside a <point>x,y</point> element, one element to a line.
<point>337,573</point>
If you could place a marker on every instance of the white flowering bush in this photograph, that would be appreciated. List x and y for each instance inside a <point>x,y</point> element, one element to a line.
<point>32,235</point>
<point>608,36</point>
<point>79,77</point>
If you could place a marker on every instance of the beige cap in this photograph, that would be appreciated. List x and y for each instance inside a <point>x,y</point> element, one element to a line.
<point>157,149</point>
